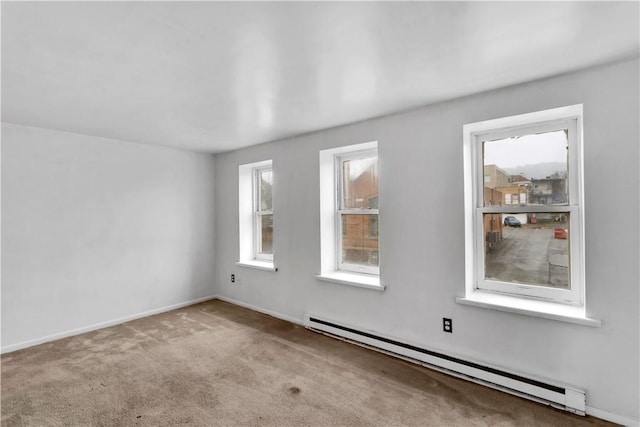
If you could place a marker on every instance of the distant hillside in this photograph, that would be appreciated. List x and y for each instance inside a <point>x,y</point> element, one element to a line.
<point>538,171</point>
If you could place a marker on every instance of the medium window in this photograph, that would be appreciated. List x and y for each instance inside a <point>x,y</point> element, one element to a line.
<point>255,214</point>
<point>531,244</point>
<point>357,212</point>
<point>349,235</point>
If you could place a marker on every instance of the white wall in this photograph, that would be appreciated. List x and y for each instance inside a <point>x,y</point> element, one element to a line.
<point>422,240</point>
<point>95,230</point>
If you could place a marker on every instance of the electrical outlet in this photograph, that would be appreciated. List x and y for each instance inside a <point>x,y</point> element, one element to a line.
<point>447,325</point>
<point>233,278</point>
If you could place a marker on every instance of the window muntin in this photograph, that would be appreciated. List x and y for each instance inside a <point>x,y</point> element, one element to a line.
<point>263,213</point>
<point>539,254</point>
<point>357,212</point>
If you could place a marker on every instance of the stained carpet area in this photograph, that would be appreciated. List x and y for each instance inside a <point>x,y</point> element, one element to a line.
<point>216,364</point>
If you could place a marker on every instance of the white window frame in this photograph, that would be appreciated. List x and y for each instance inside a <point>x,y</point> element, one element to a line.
<point>341,210</point>
<point>249,215</point>
<point>329,227</point>
<point>542,121</point>
<point>258,214</point>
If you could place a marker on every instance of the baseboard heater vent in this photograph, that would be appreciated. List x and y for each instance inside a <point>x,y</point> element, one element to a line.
<point>559,396</point>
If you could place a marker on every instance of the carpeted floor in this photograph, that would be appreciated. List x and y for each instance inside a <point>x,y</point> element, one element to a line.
<point>216,364</point>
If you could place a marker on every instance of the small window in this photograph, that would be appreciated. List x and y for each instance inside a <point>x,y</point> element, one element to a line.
<point>536,250</point>
<point>256,215</point>
<point>263,213</point>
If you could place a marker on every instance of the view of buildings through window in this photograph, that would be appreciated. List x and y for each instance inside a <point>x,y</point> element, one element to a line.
<point>522,244</point>
<point>359,210</point>
<point>264,213</point>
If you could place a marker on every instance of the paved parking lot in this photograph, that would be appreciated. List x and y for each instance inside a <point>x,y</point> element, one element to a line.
<point>523,257</point>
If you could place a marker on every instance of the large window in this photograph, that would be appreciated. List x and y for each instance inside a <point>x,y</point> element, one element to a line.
<point>524,230</point>
<point>255,214</point>
<point>350,246</point>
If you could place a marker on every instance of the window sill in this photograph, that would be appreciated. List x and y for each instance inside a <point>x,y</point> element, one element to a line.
<point>259,265</point>
<point>353,279</point>
<point>527,307</point>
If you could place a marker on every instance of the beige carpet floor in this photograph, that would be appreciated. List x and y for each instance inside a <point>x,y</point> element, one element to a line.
<point>216,364</point>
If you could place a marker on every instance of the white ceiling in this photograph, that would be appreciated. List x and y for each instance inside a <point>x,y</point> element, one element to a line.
<point>215,76</point>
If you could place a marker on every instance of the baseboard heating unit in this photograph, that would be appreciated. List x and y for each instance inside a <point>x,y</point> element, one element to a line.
<point>558,396</point>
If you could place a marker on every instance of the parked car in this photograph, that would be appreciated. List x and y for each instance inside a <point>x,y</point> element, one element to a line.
<point>512,221</point>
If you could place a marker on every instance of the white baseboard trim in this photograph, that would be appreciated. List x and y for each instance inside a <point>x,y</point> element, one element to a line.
<point>261,310</point>
<point>614,418</point>
<point>95,326</point>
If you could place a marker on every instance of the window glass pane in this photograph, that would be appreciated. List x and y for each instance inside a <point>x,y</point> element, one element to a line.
<point>265,180</point>
<point>265,222</point>
<point>529,170</point>
<point>528,248</point>
<point>360,239</point>
<point>360,183</point>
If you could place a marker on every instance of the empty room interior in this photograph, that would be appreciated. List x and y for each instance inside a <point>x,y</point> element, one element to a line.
<point>320,213</point>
